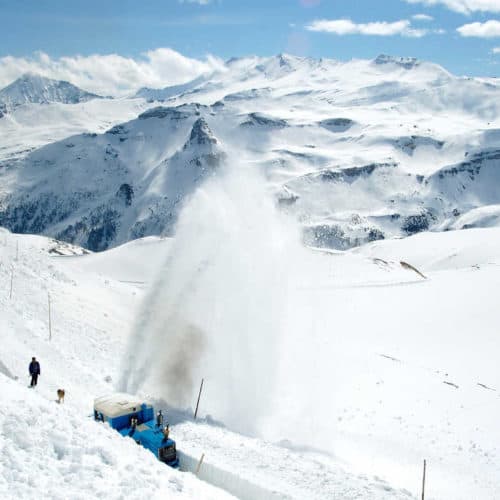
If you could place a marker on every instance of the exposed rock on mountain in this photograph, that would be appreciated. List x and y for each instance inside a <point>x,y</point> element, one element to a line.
<point>261,120</point>
<point>337,124</point>
<point>403,62</point>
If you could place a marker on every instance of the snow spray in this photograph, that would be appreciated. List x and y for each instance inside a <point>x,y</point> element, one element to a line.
<point>216,310</point>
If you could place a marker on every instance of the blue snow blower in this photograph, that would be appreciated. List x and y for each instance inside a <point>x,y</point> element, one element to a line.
<point>136,419</point>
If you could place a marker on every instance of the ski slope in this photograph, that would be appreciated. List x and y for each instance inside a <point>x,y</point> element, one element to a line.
<point>379,369</point>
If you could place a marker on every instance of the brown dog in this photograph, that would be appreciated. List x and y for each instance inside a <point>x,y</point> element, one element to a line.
<point>60,396</point>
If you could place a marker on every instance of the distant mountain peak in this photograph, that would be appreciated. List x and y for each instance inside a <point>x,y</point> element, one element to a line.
<point>34,88</point>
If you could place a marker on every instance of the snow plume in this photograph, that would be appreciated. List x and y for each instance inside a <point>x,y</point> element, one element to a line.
<point>111,74</point>
<point>217,306</point>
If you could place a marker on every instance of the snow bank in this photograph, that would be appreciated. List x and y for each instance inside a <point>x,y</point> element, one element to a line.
<point>254,469</point>
<point>52,451</point>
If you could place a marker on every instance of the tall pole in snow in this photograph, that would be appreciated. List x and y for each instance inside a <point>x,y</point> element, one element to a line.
<point>198,402</point>
<point>423,480</point>
<point>199,463</point>
<point>50,318</point>
<point>11,281</point>
<point>17,251</point>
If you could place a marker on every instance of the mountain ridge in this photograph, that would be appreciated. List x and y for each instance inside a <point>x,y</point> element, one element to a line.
<point>36,89</point>
<point>352,151</point>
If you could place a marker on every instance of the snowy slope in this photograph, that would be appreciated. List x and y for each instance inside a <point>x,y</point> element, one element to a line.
<point>32,126</point>
<point>137,261</point>
<point>35,111</point>
<point>92,308</point>
<point>409,364</point>
<point>391,402</point>
<point>365,358</point>
<point>356,151</point>
<point>160,95</point>
<point>52,451</point>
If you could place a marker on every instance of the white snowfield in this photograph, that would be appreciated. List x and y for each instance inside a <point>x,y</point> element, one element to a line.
<point>34,125</point>
<point>392,368</point>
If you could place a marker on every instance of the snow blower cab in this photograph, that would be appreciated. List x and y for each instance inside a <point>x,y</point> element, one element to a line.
<point>136,419</point>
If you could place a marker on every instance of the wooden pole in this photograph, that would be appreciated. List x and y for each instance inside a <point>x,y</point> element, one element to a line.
<point>11,281</point>
<point>423,480</point>
<point>50,317</point>
<point>198,402</point>
<point>199,463</point>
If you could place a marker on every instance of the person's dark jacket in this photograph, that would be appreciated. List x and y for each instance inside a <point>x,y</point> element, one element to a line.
<point>34,368</point>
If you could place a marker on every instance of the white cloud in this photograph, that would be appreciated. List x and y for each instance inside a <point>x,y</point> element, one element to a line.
<point>383,28</point>
<point>489,29</point>
<point>495,50</point>
<point>463,6</point>
<point>111,74</point>
<point>423,17</point>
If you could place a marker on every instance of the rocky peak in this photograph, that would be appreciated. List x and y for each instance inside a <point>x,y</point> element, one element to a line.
<point>283,61</point>
<point>200,134</point>
<point>404,62</point>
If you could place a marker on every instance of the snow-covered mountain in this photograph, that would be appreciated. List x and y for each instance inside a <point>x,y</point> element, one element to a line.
<point>32,88</point>
<point>38,111</point>
<point>355,151</point>
<point>129,182</point>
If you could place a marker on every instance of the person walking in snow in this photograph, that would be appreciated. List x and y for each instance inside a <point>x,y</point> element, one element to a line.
<point>34,371</point>
<point>159,419</point>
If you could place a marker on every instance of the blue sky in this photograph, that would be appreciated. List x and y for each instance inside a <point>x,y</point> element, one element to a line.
<point>228,28</point>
